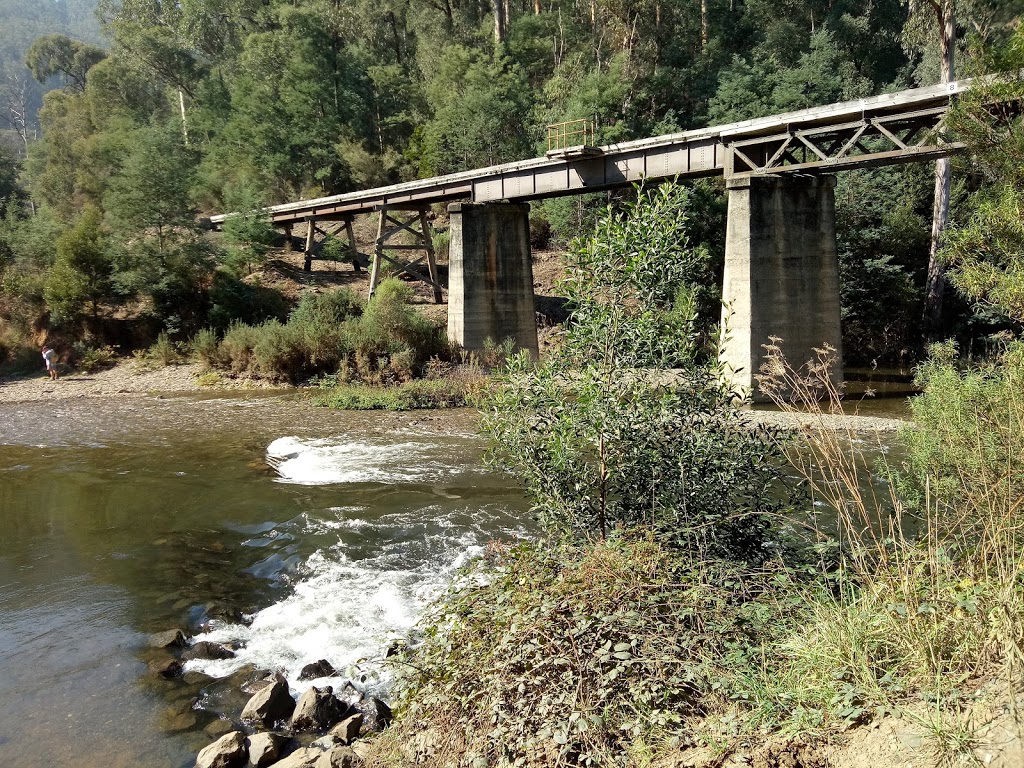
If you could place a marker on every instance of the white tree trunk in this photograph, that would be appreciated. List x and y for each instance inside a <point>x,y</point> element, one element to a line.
<point>935,286</point>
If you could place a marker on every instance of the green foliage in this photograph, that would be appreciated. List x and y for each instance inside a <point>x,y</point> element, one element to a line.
<point>82,277</point>
<point>232,300</point>
<point>407,396</point>
<point>479,105</point>
<point>967,439</point>
<point>248,234</point>
<point>60,55</point>
<point>883,234</point>
<point>206,347</point>
<point>328,308</point>
<point>384,342</point>
<point>602,435</point>
<point>90,358</point>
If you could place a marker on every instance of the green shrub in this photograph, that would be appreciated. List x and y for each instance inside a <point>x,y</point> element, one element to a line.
<point>206,348</point>
<point>280,352</point>
<point>384,342</point>
<point>164,351</point>
<point>92,359</point>
<point>236,347</point>
<point>412,395</point>
<point>330,308</point>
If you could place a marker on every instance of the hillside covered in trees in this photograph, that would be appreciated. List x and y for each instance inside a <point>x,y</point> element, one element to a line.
<point>185,108</point>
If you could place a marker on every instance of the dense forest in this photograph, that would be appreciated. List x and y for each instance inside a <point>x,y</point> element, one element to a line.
<point>179,109</point>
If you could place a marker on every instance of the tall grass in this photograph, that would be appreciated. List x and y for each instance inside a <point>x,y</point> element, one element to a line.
<point>931,591</point>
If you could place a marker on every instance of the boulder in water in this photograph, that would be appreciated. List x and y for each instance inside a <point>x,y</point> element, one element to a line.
<point>348,729</point>
<point>318,709</point>
<point>317,669</point>
<point>172,638</point>
<point>226,752</point>
<point>166,668</point>
<point>269,705</point>
<point>206,650</point>
<point>264,748</point>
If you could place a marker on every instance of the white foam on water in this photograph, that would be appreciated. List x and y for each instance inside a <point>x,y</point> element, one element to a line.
<point>343,611</point>
<point>355,596</point>
<point>330,461</point>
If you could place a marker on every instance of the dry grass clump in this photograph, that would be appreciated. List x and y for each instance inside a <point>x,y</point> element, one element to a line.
<point>929,593</point>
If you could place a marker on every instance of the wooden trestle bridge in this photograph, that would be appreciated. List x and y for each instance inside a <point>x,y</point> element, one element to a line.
<point>892,128</point>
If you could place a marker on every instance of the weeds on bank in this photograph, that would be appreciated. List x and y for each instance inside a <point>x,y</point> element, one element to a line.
<point>583,655</point>
<point>407,396</point>
<point>933,593</point>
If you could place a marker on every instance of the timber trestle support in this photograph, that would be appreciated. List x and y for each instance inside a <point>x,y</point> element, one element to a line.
<point>388,228</point>
<point>317,237</point>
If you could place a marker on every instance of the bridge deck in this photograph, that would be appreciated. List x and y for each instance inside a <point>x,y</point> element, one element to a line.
<point>829,137</point>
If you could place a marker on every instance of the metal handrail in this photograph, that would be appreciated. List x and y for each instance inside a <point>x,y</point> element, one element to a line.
<point>571,133</point>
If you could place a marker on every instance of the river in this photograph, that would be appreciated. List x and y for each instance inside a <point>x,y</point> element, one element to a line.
<point>297,533</point>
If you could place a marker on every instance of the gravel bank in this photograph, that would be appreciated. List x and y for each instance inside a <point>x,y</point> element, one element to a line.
<point>123,379</point>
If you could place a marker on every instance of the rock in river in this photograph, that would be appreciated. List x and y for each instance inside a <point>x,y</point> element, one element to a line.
<point>317,669</point>
<point>207,650</point>
<point>172,638</point>
<point>264,748</point>
<point>269,705</point>
<point>318,709</point>
<point>226,752</point>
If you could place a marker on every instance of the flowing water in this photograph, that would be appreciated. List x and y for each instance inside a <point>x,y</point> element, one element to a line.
<point>294,532</point>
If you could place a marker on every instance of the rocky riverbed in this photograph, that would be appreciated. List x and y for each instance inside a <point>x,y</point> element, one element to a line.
<point>322,729</point>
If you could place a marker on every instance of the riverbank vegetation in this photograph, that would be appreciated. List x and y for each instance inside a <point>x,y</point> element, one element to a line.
<point>705,591</point>
<point>118,136</point>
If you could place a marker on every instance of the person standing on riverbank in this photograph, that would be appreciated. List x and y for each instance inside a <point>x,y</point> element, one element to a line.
<point>50,358</point>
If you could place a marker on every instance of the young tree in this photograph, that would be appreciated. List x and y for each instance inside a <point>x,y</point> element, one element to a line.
<point>82,277</point>
<point>602,434</point>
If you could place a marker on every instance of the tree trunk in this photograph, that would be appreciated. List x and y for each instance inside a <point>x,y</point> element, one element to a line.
<point>499,21</point>
<point>935,287</point>
<point>184,119</point>
<point>703,25</point>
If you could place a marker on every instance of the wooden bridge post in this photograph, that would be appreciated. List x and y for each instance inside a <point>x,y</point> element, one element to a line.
<point>387,227</point>
<point>781,273</point>
<point>307,266</point>
<point>352,244</point>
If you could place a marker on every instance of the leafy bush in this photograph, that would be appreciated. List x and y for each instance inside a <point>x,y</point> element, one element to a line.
<point>231,300</point>
<point>601,435</point>
<point>236,347</point>
<point>206,347</point>
<point>384,341</point>
<point>411,395</point>
<point>280,352</point>
<point>92,358</point>
<point>329,308</point>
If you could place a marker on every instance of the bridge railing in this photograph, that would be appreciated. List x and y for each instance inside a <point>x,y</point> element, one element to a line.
<point>572,133</point>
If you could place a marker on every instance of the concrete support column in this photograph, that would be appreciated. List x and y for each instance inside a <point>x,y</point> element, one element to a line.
<point>781,273</point>
<point>490,275</point>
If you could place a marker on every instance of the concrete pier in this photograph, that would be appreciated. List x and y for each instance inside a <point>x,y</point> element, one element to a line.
<point>781,273</point>
<point>490,275</point>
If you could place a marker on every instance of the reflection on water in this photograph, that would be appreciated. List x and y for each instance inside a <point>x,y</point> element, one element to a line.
<point>126,517</point>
